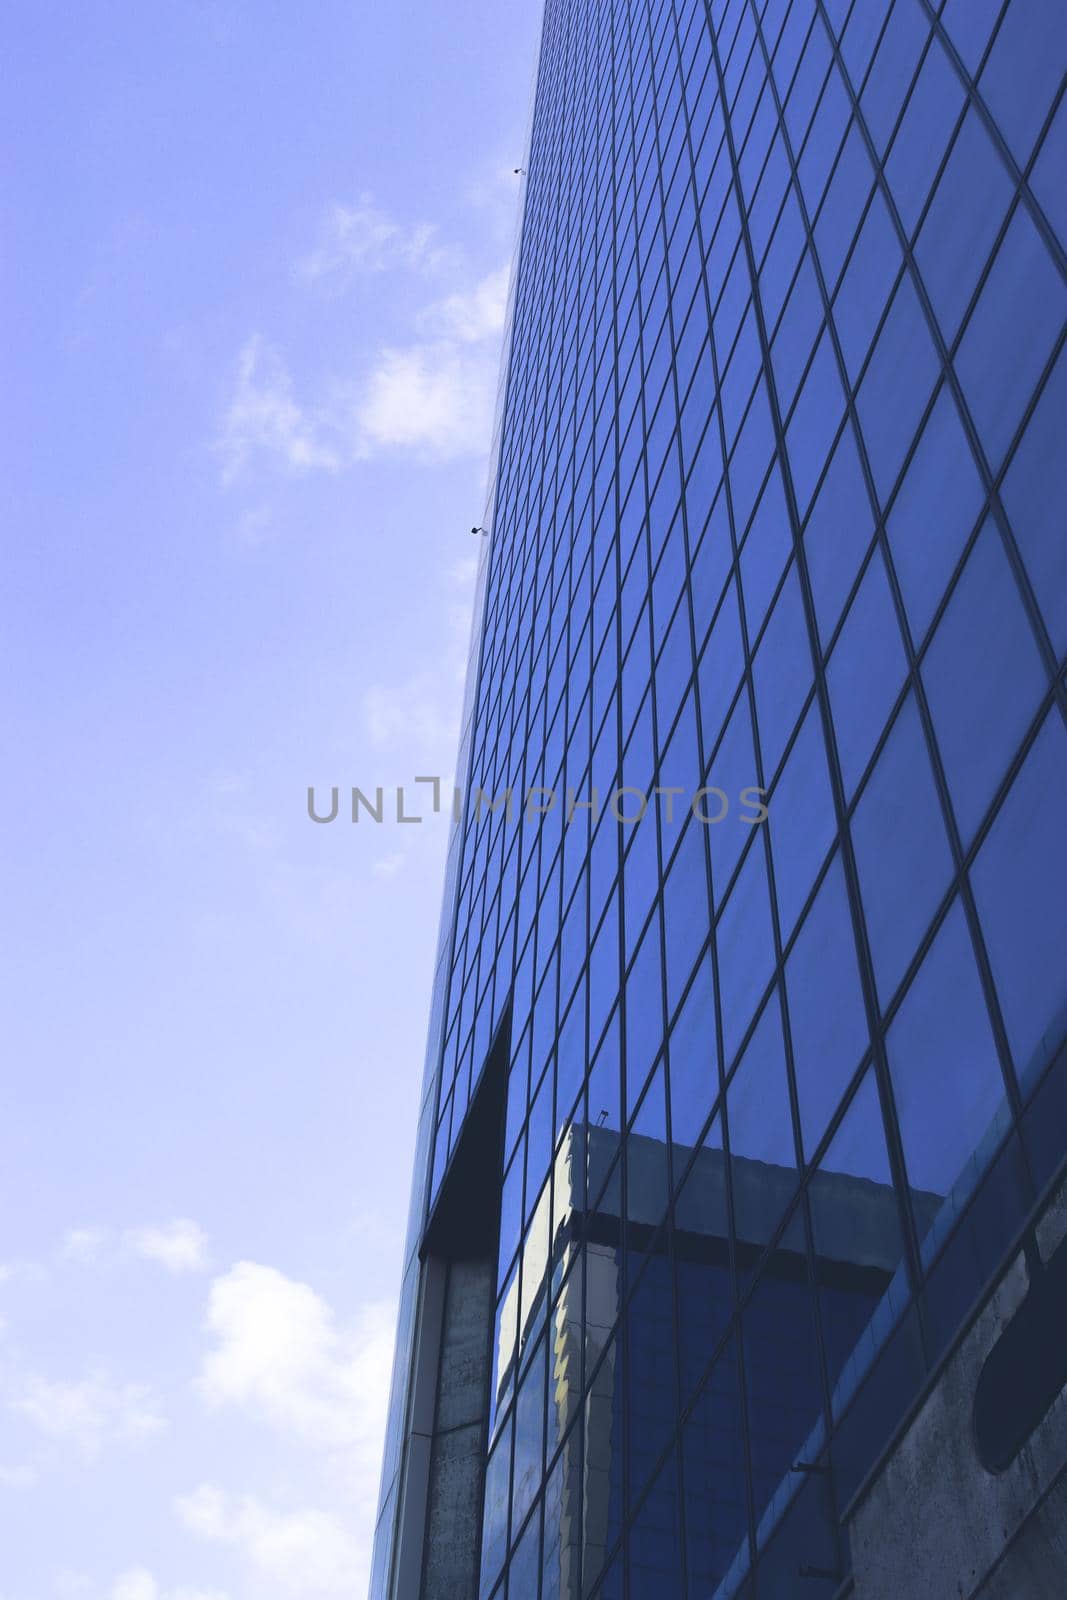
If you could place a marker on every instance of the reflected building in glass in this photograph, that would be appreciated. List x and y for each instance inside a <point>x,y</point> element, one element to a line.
<point>735,1263</point>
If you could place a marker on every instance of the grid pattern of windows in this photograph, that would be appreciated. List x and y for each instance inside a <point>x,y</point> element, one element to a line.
<point>779,508</point>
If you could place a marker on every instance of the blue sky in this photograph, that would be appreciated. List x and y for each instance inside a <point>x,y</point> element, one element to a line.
<point>254,281</point>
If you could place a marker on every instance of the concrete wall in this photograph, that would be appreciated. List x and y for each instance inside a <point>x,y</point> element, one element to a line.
<point>934,1524</point>
<point>456,1469</point>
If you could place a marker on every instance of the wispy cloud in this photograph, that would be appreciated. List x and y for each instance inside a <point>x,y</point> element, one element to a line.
<point>362,238</point>
<point>431,396</point>
<point>435,396</point>
<point>412,716</point>
<point>388,866</point>
<point>84,1245</point>
<point>263,418</point>
<point>89,1412</point>
<point>279,1353</point>
<point>307,1551</point>
<point>180,1246</point>
<point>140,1584</point>
<point>471,315</point>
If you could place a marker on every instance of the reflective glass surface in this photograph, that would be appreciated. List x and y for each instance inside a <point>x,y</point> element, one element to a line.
<point>773,623</point>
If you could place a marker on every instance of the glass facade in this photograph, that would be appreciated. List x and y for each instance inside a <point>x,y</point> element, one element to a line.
<point>770,656</point>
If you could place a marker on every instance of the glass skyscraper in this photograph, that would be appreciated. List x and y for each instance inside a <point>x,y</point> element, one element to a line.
<point>746,1079</point>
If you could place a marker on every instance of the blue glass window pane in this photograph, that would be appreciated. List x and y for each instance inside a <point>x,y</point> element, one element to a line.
<point>1011,335</point>
<point>641,870</point>
<point>780,263</point>
<point>505,1347</point>
<point>967,209</point>
<point>720,668</point>
<point>838,534</point>
<point>984,680</point>
<point>694,1060</point>
<point>796,333</point>
<point>758,1113</point>
<point>644,1010</point>
<point>495,1516</point>
<point>765,552</point>
<point>604,1089</point>
<point>896,387</point>
<point>892,70</point>
<point>715,1474</point>
<point>902,851</point>
<point>560,1548</point>
<point>511,1211</point>
<point>858,1242</point>
<point>680,769</point>
<point>685,910</point>
<point>843,205</point>
<point>827,130</point>
<point>866,285</point>
<point>529,1436</point>
<point>1029,51</point>
<point>866,672</point>
<point>969,24</point>
<point>647,1179</point>
<point>782,671</point>
<point>947,1082</point>
<point>934,513</point>
<point>861,36</point>
<point>745,948</point>
<point>655,1536</point>
<point>539,1141</point>
<point>604,970</point>
<point>814,423</point>
<point>522,1569</point>
<point>1046,180</point>
<point>801,819</point>
<point>1020,885</point>
<point>827,1018</point>
<point>733,768</point>
<point>1034,493</point>
<point>706,474</point>
<point>782,1381</point>
<point>711,565</point>
<point>921,139</point>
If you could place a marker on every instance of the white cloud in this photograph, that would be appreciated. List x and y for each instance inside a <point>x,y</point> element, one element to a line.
<point>140,1584</point>
<point>363,238</point>
<point>412,715</point>
<point>474,314</point>
<point>434,399</point>
<point>308,1551</point>
<point>433,395</point>
<point>180,1246</point>
<point>436,396</point>
<point>264,419</point>
<point>84,1245</point>
<point>280,1353</point>
<point>88,1412</point>
<point>389,866</point>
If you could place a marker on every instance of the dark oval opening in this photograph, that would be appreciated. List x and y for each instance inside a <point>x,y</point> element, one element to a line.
<point>1025,1370</point>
